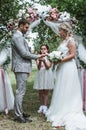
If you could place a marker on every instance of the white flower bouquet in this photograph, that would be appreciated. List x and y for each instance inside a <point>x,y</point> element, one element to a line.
<point>55,56</point>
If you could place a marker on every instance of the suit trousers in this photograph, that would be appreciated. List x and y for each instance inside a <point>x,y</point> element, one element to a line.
<point>21,80</point>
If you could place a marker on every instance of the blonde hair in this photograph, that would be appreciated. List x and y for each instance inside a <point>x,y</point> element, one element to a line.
<point>67,27</point>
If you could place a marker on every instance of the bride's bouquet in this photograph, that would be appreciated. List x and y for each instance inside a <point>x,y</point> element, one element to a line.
<point>55,56</point>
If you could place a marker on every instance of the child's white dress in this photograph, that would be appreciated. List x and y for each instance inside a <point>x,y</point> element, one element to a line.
<point>44,78</point>
<point>6,93</point>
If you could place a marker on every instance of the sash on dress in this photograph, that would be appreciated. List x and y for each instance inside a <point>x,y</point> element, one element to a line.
<point>84,90</point>
<point>4,92</point>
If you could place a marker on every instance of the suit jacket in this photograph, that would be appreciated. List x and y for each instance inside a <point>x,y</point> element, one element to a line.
<point>21,55</point>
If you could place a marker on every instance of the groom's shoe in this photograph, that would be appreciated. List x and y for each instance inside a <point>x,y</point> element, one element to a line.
<point>25,115</point>
<point>28,120</point>
<point>20,119</point>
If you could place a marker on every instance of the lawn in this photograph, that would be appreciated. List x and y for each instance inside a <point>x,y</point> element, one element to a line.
<point>30,105</point>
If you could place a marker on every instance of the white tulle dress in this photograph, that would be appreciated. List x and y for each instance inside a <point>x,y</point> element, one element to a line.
<point>66,104</point>
<point>44,78</point>
<point>6,92</point>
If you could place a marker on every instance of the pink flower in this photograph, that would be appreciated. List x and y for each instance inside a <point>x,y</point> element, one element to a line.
<point>53,15</point>
<point>32,15</point>
<point>54,10</point>
<point>29,10</point>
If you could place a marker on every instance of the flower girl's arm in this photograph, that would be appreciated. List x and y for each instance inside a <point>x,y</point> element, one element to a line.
<point>47,64</point>
<point>38,62</point>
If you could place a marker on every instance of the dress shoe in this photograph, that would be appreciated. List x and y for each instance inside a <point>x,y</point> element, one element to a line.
<point>28,120</point>
<point>40,110</point>
<point>25,115</point>
<point>44,109</point>
<point>20,119</point>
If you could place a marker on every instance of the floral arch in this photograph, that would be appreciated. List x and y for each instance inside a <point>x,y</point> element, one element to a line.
<point>52,17</point>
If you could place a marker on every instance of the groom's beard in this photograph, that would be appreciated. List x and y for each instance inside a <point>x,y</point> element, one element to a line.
<point>24,32</point>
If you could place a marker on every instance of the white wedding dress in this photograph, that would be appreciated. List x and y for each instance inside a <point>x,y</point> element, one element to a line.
<point>66,104</point>
<point>6,92</point>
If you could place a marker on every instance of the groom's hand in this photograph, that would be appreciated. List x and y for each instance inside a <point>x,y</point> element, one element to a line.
<point>42,55</point>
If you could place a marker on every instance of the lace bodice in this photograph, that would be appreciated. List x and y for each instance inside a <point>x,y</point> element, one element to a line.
<point>63,47</point>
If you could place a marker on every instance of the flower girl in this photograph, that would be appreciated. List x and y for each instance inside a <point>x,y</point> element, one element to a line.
<point>44,81</point>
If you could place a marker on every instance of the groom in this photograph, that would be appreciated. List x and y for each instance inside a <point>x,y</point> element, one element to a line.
<point>21,66</point>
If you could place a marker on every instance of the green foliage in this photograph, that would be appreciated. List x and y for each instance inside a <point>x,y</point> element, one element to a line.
<point>75,8</point>
<point>45,36</point>
<point>5,43</point>
<point>8,10</point>
<point>83,64</point>
<point>7,62</point>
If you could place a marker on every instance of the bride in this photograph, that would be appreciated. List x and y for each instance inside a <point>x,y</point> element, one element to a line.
<point>66,104</point>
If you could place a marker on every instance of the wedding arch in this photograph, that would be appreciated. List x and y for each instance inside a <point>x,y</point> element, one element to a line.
<point>52,17</point>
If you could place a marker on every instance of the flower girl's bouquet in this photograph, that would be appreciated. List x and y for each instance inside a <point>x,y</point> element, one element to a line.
<point>55,56</point>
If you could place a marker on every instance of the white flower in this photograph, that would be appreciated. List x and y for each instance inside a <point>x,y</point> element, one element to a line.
<point>57,53</point>
<point>27,15</point>
<point>65,16</point>
<point>51,56</point>
<point>55,56</point>
<point>42,10</point>
<point>21,12</point>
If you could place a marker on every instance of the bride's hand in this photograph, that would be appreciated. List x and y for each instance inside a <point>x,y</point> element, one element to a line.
<point>57,62</point>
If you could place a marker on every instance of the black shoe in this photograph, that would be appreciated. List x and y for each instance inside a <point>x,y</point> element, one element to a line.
<point>28,120</point>
<point>20,119</point>
<point>25,115</point>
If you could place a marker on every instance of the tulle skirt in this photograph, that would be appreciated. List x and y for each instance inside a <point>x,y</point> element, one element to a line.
<point>44,79</point>
<point>6,92</point>
<point>66,104</point>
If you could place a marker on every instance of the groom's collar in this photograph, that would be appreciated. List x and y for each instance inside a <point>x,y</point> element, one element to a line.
<point>20,32</point>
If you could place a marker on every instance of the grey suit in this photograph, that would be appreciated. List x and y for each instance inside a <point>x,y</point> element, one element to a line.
<point>21,66</point>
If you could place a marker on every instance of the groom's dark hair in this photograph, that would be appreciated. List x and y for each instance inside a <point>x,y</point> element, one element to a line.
<point>23,22</point>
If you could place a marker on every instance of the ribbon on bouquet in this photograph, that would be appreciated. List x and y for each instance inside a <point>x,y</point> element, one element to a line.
<point>84,90</point>
<point>4,91</point>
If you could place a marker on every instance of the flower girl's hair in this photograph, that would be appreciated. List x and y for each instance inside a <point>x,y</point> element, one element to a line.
<point>45,46</point>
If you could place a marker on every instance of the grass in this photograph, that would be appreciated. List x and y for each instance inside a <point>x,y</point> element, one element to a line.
<point>30,105</point>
